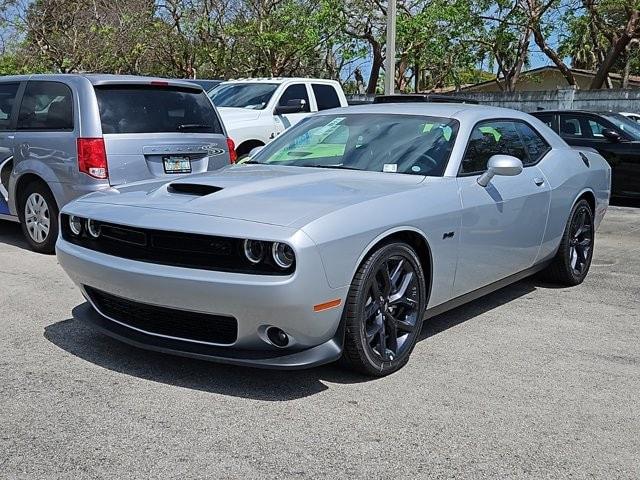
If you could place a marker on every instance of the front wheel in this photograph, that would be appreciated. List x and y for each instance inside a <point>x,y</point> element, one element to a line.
<point>571,264</point>
<point>38,213</point>
<point>384,311</point>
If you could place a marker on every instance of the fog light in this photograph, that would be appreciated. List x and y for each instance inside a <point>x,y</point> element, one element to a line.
<point>283,255</point>
<point>253,250</point>
<point>277,337</point>
<point>75,224</point>
<point>93,228</point>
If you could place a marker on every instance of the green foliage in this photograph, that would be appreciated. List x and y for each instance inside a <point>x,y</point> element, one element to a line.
<point>440,43</point>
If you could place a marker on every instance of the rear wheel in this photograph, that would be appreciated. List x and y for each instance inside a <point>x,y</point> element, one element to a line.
<point>571,264</point>
<point>38,213</point>
<point>384,311</point>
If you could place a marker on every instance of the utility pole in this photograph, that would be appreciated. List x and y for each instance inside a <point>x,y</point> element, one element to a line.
<point>390,67</point>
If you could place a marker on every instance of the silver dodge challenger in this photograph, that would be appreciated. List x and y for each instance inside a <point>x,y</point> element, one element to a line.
<point>339,238</point>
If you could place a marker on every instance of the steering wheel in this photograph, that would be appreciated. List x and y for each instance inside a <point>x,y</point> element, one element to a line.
<point>425,163</point>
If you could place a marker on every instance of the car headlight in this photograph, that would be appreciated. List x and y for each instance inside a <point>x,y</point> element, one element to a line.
<point>283,255</point>
<point>93,228</point>
<point>254,250</point>
<point>75,225</point>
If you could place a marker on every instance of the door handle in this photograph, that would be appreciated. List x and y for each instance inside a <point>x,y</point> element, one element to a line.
<point>538,181</point>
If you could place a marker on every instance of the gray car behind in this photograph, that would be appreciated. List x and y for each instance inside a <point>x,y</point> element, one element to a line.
<point>62,136</point>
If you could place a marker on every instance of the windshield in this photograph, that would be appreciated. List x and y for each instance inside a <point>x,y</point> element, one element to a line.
<point>254,96</point>
<point>411,144</point>
<point>625,124</point>
<point>150,109</point>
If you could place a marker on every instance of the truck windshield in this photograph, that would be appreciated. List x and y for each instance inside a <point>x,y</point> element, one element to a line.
<point>254,96</point>
<point>392,143</point>
<point>153,109</point>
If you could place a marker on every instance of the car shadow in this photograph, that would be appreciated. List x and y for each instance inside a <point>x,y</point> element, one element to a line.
<point>82,341</point>
<point>11,234</point>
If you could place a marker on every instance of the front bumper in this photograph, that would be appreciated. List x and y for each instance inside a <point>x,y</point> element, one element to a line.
<point>326,352</point>
<point>255,301</point>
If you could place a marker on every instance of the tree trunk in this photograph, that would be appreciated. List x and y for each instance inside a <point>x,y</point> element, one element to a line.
<point>376,65</point>
<point>553,56</point>
<point>416,77</point>
<point>618,46</point>
<point>612,55</point>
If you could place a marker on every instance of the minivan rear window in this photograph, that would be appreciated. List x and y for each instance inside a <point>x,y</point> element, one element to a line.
<point>155,109</point>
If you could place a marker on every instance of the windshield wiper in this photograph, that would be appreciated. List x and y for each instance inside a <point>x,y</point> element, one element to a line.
<point>338,167</point>
<point>250,162</point>
<point>192,126</point>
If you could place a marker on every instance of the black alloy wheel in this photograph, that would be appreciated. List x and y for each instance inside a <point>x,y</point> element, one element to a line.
<point>384,310</point>
<point>573,259</point>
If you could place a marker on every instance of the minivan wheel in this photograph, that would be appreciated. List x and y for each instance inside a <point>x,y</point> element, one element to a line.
<point>384,311</point>
<point>38,214</point>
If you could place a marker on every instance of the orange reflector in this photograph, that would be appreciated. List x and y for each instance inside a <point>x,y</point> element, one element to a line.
<point>327,305</point>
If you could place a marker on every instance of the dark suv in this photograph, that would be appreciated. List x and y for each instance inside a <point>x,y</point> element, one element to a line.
<point>614,136</point>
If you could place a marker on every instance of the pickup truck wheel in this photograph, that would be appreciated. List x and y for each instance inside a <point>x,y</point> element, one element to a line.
<point>384,311</point>
<point>38,214</point>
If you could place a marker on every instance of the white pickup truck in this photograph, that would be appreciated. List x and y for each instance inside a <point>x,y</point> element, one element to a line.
<point>254,111</point>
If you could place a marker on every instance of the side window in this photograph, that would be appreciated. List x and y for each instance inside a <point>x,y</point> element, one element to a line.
<point>296,91</point>
<point>326,96</point>
<point>46,106</point>
<point>536,146</point>
<point>546,118</point>
<point>570,126</point>
<point>490,138</point>
<point>596,128</point>
<point>8,93</point>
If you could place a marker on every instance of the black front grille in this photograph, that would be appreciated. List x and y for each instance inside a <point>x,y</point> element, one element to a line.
<point>165,321</point>
<point>189,250</point>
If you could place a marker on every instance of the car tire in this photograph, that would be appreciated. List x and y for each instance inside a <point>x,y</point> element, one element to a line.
<point>572,261</point>
<point>381,332</point>
<point>38,213</point>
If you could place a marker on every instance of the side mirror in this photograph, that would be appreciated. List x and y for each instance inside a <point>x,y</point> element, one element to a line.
<point>505,165</point>
<point>292,106</point>
<point>255,150</point>
<point>611,135</point>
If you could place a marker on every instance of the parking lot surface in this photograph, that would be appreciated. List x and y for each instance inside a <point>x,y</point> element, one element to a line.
<point>530,382</point>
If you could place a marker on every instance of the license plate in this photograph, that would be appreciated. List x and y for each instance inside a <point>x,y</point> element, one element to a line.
<point>176,164</point>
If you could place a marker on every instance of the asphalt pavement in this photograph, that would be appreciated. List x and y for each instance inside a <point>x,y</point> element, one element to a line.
<point>532,381</point>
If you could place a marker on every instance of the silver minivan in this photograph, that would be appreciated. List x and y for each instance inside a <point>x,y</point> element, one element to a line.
<point>62,136</point>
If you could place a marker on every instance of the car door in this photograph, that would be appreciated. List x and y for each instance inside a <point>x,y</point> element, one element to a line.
<point>503,224</point>
<point>295,91</point>
<point>45,140</point>
<point>8,95</point>
<point>622,155</point>
<point>585,130</point>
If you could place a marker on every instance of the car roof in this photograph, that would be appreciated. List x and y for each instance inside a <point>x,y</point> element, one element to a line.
<point>448,110</point>
<point>102,79</point>
<point>591,112</point>
<point>278,80</point>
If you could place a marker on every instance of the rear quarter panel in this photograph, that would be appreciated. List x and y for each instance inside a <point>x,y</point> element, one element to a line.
<point>569,177</point>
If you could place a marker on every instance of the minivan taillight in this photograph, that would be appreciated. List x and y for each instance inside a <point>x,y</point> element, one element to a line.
<point>92,157</point>
<point>233,156</point>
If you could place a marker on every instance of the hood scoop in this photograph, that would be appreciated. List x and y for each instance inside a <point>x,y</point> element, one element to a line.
<point>197,189</point>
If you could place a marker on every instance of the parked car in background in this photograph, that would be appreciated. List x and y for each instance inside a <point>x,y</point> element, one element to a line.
<point>62,136</point>
<point>207,85</point>
<point>614,136</point>
<point>338,238</point>
<point>631,116</point>
<point>255,111</point>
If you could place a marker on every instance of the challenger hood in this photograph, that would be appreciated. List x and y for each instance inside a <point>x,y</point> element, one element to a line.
<point>275,195</point>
